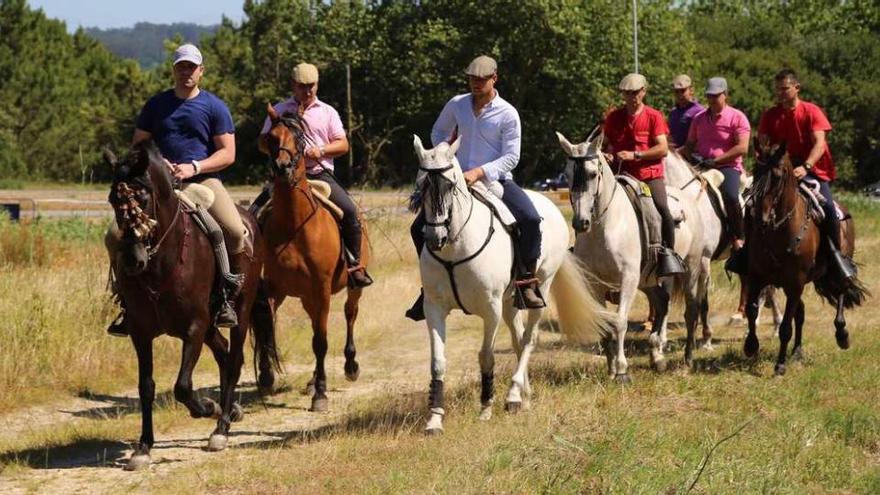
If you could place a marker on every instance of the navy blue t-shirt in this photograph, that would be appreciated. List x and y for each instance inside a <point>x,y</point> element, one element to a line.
<point>184,129</point>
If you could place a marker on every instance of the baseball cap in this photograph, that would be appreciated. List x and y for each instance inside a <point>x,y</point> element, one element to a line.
<point>187,53</point>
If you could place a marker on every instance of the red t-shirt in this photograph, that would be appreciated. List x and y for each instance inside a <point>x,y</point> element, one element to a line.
<point>625,132</point>
<point>795,127</point>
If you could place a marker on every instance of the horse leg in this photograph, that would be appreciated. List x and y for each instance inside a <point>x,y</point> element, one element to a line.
<point>140,459</point>
<point>841,334</point>
<point>263,314</point>
<point>436,321</point>
<point>352,370</point>
<point>183,392</point>
<point>520,391</point>
<point>770,295</point>
<point>660,297</point>
<point>487,363</point>
<point>619,367</point>
<point>318,312</point>
<point>230,374</point>
<point>751,344</point>
<point>797,352</point>
<point>792,301</point>
<point>703,295</point>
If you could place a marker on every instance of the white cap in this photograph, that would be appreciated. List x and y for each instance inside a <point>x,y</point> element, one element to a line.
<point>187,53</point>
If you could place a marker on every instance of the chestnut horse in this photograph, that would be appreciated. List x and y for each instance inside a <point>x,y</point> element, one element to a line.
<point>305,251</point>
<point>786,250</point>
<point>165,271</point>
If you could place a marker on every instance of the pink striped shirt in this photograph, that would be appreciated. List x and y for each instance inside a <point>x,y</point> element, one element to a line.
<point>325,126</point>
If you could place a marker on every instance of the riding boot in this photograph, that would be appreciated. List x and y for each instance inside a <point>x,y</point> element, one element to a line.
<point>232,276</point>
<point>668,261</point>
<point>351,238</point>
<point>839,262</point>
<point>738,261</point>
<point>117,328</point>
<point>529,296</point>
<point>417,311</point>
<point>260,201</point>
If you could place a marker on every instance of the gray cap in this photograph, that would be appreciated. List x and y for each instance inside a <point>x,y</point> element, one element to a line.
<point>305,73</point>
<point>716,86</point>
<point>681,81</point>
<point>187,53</point>
<point>482,66</point>
<point>632,82</point>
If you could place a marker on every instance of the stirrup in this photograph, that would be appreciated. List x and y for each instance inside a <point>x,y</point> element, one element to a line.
<point>844,266</point>
<point>738,261</point>
<point>417,311</point>
<point>226,317</point>
<point>669,263</point>
<point>358,277</point>
<point>527,295</point>
<point>117,327</point>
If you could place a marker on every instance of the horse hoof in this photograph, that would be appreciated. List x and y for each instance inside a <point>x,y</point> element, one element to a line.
<point>486,413</point>
<point>513,407</point>
<point>217,442</point>
<point>237,413</point>
<point>842,340</point>
<point>433,432</point>
<point>266,384</point>
<point>352,372</point>
<point>751,346</point>
<point>138,462</point>
<point>214,410</point>
<point>309,390</point>
<point>623,378</point>
<point>779,370</point>
<point>319,404</point>
<point>797,354</point>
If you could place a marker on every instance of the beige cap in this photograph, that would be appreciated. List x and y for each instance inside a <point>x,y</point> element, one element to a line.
<point>633,82</point>
<point>305,74</point>
<point>681,81</point>
<point>482,66</point>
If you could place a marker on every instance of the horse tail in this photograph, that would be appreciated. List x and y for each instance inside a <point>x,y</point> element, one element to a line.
<point>581,317</point>
<point>263,328</point>
<point>853,293</point>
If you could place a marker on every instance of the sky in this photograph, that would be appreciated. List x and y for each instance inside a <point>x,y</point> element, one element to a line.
<point>125,13</point>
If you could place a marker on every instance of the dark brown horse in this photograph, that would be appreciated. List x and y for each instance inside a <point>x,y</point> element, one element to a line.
<point>786,250</point>
<point>305,250</point>
<point>165,274</point>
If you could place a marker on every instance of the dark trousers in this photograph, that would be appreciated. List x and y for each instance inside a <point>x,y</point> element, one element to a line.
<point>730,194</point>
<point>661,201</point>
<point>523,210</point>
<point>351,226</point>
<point>832,223</point>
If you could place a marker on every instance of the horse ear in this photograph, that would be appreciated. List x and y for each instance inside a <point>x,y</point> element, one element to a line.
<point>273,115</point>
<point>566,145</point>
<point>599,141</point>
<point>417,143</point>
<point>455,144</point>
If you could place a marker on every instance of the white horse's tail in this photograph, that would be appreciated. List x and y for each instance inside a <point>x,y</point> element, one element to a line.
<point>581,318</point>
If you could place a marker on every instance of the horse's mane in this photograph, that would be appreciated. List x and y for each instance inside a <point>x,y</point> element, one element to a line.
<point>299,128</point>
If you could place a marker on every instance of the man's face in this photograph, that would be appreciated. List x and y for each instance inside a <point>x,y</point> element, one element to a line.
<point>305,93</point>
<point>683,95</point>
<point>633,98</point>
<point>717,102</point>
<point>188,74</point>
<point>482,86</point>
<point>786,91</point>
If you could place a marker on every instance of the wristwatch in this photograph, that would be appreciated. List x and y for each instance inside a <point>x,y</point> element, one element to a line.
<point>637,155</point>
<point>196,167</point>
<point>808,166</point>
<point>321,149</point>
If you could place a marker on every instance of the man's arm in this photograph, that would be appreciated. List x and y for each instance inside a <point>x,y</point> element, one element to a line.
<point>655,152</point>
<point>223,156</point>
<point>739,149</point>
<point>334,148</point>
<point>140,135</point>
<point>445,124</point>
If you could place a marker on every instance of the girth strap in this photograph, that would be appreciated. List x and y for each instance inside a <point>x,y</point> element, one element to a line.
<point>450,265</point>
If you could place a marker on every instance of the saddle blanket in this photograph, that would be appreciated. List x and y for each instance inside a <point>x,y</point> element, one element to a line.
<point>491,195</point>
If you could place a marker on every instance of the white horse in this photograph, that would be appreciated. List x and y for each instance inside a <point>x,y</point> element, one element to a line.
<point>609,244</point>
<point>466,264</point>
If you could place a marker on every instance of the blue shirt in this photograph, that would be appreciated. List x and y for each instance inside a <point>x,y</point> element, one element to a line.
<point>491,140</point>
<point>184,129</point>
<point>680,121</point>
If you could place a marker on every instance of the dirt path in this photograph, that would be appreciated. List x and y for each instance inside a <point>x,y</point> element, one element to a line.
<point>399,366</point>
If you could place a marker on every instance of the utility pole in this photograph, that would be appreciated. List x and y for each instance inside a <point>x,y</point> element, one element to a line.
<point>636,35</point>
<point>350,173</point>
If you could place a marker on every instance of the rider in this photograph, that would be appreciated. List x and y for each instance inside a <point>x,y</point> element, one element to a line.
<point>635,135</point>
<point>802,126</point>
<point>327,136</point>
<point>718,138</point>
<point>490,132</point>
<point>195,134</point>
<point>682,114</point>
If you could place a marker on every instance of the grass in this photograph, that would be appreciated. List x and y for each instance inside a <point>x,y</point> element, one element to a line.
<point>816,430</point>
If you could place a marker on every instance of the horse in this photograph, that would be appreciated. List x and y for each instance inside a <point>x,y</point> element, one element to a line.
<point>305,252</point>
<point>165,272</point>
<point>789,255</point>
<point>467,264</point>
<point>608,242</point>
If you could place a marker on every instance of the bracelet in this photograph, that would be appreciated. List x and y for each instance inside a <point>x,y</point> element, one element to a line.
<point>196,167</point>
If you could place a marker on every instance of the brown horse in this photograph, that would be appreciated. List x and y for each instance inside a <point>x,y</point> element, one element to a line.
<point>786,250</point>
<point>165,272</point>
<point>305,250</point>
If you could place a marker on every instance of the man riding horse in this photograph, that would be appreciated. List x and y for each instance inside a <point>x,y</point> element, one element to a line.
<point>635,135</point>
<point>327,139</point>
<point>490,133</point>
<point>196,136</point>
<point>802,126</point>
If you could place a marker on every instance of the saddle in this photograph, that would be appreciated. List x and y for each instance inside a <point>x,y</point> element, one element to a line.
<point>321,191</point>
<point>196,199</point>
<point>809,189</point>
<point>491,197</point>
<point>650,223</point>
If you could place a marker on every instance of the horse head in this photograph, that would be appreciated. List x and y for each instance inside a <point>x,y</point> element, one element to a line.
<point>440,180</point>
<point>286,143</point>
<point>775,182</point>
<point>583,168</point>
<point>139,194</point>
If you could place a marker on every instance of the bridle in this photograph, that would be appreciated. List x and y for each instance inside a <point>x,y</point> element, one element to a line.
<point>142,225</point>
<point>579,167</point>
<point>433,175</point>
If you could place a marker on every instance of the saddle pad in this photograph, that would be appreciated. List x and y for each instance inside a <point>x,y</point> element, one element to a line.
<point>493,199</point>
<point>714,178</point>
<point>321,190</point>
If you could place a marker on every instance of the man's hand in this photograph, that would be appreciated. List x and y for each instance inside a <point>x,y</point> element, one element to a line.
<point>314,153</point>
<point>182,171</point>
<point>626,155</point>
<point>474,175</point>
<point>799,172</point>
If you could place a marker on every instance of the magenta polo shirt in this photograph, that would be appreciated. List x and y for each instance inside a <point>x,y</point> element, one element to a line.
<point>325,126</point>
<point>715,135</point>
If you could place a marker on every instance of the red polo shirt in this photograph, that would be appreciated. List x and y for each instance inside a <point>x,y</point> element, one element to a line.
<point>625,132</point>
<point>795,127</point>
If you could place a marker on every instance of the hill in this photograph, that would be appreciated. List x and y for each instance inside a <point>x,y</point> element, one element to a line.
<point>145,41</point>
